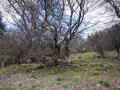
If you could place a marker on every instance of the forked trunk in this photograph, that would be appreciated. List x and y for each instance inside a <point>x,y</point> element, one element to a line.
<point>56,52</point>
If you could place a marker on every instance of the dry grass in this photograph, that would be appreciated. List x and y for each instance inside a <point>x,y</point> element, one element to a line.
<point>25,82</point>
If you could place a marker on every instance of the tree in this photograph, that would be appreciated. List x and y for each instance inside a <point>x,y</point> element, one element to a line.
<point>115,38</point>
<point>54,23</point>
<point>63,27</point>
<point>2,29</point>
<point>18,47</point>
<point>99,42</point>
<point>73,22</point>
<point>4,49</point>
<point>115,4</point>
<point>2,25</point>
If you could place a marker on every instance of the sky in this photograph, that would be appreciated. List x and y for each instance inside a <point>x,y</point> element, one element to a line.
<point>100,15</point>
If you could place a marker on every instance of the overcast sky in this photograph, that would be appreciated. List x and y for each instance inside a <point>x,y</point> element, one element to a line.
<point>100,15</point>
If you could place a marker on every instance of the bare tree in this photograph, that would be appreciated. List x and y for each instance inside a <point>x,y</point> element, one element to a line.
<point>115,38</point>
<point>27,18</point>
<point>115,4</point>
<point>2,42</point>
<point>12,48</point>
<point>19,47</point>
<point>99,42</point>
<point>54,23</point>
<point>74,21</point>
<point>4,49</point>
<point>65,21</point>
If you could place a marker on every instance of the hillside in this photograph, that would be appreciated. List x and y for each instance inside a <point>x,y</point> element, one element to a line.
<point>87,72</point>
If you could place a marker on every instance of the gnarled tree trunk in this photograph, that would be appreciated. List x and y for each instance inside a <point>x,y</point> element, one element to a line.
<point>67,53</point>
<point>56,52</point>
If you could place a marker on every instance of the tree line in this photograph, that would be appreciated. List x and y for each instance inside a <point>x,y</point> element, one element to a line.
<point>108,39</point>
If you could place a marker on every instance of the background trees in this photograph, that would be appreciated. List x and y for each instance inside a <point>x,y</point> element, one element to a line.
<point>2,25</point>
<point>99,42</point>
<point>107,39</point>
<point>115,38</point>
<point>2,37</point>
<point>51,24</point>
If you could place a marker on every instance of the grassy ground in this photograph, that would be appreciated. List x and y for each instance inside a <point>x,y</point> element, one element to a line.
<point>87,72</point>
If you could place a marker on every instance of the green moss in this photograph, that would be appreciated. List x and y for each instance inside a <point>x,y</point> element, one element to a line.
<point>22,68</point>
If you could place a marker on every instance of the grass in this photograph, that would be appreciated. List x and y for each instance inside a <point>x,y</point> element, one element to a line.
<point>60,78</point>
<point>23,68</point>
<point>105,83</point>
<point>87,72</point>
<point>111,53</point>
